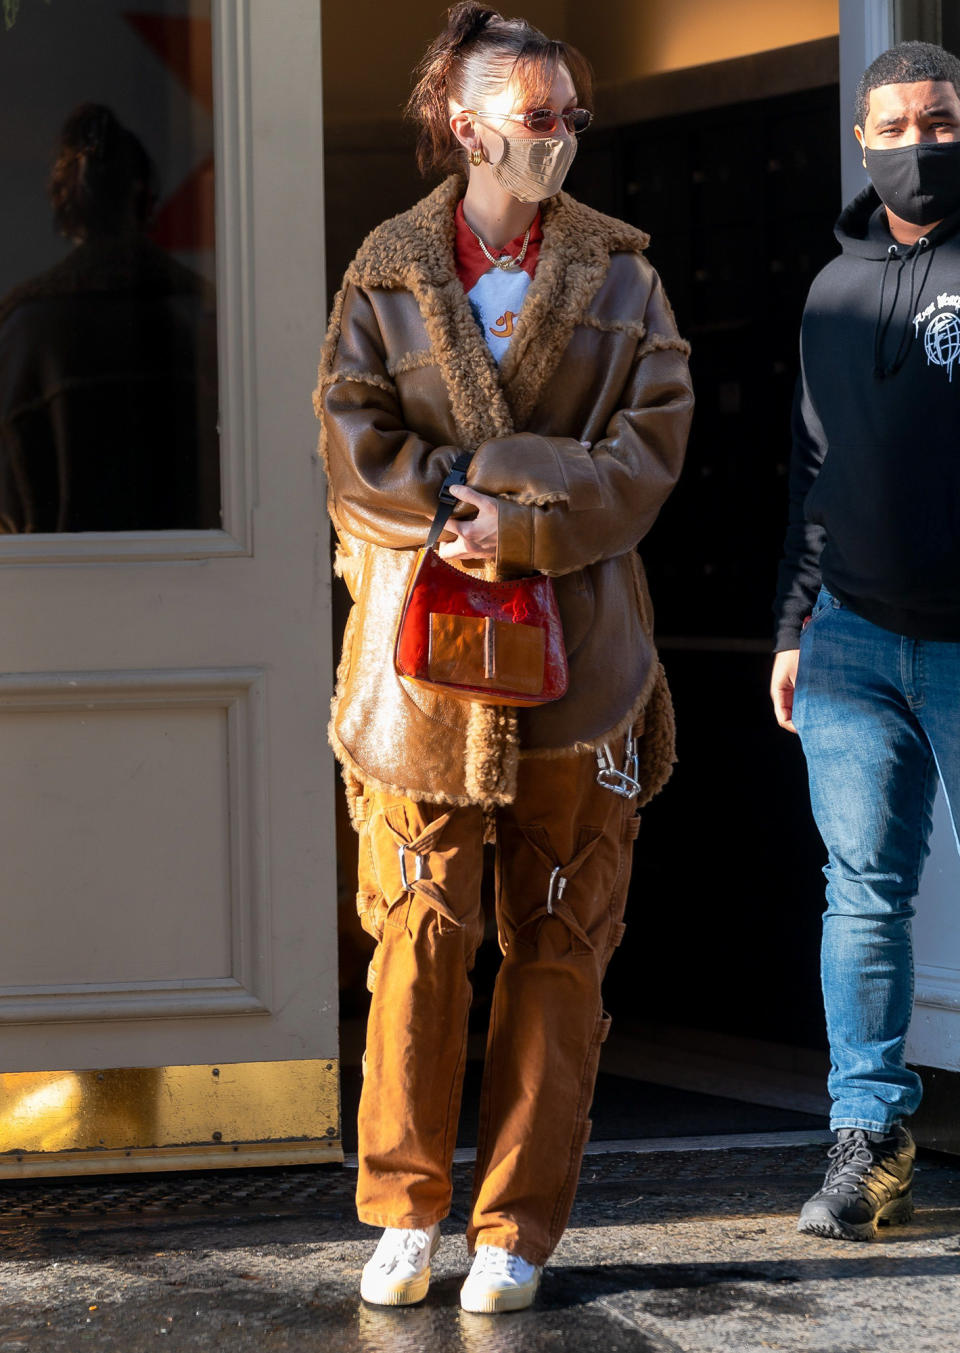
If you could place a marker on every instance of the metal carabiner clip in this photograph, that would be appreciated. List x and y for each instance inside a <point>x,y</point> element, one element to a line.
<point>623,782</point>
<point>555,890</point>
<point>631,761</point>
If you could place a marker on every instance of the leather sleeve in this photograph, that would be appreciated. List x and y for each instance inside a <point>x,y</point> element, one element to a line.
<point>383,479</point>
<point>567,506</point>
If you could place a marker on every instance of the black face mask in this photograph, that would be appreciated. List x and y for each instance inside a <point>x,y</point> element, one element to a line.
<point>921,183</point>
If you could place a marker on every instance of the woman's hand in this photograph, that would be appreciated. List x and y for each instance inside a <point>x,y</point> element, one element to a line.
<point>474,539</point>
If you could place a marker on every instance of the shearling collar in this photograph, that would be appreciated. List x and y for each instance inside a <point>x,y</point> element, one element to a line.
<point>415,251</point>
<point>418,244</point>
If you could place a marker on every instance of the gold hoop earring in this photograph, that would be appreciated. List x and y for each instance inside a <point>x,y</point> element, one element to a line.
<point>476,157</point>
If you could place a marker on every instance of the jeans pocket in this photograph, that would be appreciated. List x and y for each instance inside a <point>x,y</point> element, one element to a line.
<point>824,602</point>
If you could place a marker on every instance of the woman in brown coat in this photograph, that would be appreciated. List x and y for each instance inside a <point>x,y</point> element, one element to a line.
<point>501,317</point>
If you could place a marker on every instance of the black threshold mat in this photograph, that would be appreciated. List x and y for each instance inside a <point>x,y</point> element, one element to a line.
<point>623,1109</point>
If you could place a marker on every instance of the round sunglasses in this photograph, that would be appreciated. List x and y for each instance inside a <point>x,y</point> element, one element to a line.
<point>543,121</point>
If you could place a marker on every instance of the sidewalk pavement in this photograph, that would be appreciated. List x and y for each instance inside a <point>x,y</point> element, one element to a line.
<point>667,1252</point>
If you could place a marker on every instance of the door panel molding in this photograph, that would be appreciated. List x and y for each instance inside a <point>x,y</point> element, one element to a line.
<point>934,1036</point>
<point>107,547</point>
<point>233,161</point>
<point>937,988</point>
<point>146,1000</point>
<point>240,693</point>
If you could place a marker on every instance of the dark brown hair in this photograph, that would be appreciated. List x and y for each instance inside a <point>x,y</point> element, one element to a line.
<point>101,170</point>
<point>475,56</point>
<point>906,64</point>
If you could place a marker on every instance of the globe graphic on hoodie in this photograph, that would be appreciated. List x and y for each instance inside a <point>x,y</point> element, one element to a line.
<point>941,342</point>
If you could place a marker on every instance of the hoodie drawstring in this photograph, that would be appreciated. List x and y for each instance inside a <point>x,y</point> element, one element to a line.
<point>883,325</point>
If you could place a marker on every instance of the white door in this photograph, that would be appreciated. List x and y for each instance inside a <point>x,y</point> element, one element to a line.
<point>168,971</point>
<point>935,1030</point>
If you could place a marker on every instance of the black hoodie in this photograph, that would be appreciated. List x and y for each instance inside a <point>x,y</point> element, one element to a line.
<point>877,520</point>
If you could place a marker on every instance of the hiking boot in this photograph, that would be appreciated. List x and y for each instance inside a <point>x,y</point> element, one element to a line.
<point>398,1274</point>
<point>867,1185</point>
<point>499,1281</point>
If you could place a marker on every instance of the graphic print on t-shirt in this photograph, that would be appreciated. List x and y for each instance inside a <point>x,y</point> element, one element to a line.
<point>496,301</point>
<point>941,338</point>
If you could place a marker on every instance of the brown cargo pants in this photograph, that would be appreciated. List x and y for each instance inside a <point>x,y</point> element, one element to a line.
<point>563,857</point>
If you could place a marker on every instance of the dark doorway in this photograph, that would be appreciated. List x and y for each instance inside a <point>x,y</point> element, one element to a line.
<point>725,904</point>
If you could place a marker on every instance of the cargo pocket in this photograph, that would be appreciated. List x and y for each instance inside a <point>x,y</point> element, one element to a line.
<point>374,907</point>
<point>534,854</point>
<point>621,886</point>
<point>412,867</point>
<point>371,904</point>
<point>629,832</point>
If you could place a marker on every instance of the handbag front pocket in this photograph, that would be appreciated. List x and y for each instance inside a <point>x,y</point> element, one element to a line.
<point>480,651</point>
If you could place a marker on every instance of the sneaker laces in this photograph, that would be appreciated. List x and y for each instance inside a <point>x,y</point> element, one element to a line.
<point>852,1159</point>
<point>404,1245</point>
<point>493,1261</point>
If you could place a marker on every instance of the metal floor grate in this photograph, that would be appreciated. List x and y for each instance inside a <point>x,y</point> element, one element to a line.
<point>314,1190</point>
<point>289,1191</point>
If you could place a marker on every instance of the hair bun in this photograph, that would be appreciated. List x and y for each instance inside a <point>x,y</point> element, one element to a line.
<point>466,21</point>
<point>90,130</point>
<point>102,170</point>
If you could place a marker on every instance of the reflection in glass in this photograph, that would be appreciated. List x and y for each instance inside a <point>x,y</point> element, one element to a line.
<point>108,392</point>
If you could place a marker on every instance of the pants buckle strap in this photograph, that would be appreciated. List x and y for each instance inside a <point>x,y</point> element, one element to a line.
<point>418,868</point>
<point>555,891</point>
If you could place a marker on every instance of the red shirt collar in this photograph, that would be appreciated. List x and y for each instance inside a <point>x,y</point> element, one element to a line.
<point>471,261</point>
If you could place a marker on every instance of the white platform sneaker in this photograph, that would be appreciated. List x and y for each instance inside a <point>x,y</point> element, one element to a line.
<point>499,1281</point>
<point>398,1273</point>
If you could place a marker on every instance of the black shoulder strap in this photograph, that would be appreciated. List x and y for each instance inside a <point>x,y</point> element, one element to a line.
<point>456,475</point>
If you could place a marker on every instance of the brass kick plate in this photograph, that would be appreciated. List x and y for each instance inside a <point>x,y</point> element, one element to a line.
<point>169,1118</point>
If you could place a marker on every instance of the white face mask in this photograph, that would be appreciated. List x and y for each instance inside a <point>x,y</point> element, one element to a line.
<point>532,168</point>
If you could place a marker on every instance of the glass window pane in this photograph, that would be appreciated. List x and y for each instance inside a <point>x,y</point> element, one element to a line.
<point>108,360</point>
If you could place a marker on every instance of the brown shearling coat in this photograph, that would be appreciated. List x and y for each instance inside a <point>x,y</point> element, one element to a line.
<point>406,382</point>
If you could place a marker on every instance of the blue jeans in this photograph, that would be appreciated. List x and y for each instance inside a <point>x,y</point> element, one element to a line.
<point>879,718</point>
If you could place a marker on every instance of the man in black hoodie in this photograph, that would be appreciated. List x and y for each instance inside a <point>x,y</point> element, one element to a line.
<point>868,604</point>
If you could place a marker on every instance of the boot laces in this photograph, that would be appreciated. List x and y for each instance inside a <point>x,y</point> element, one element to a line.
<point>852,1160</point>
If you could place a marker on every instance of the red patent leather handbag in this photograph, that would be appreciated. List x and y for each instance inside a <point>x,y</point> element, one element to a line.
<point>500,643</point>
